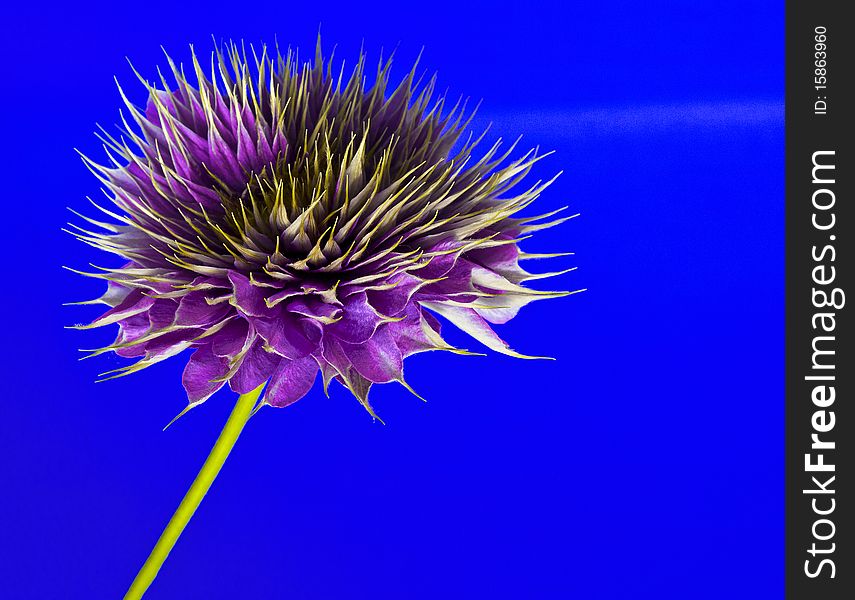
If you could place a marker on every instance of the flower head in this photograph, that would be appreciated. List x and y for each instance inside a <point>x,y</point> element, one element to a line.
<point>281,220</point>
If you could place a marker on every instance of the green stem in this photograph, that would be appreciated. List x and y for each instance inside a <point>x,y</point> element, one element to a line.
<point>228,436</point>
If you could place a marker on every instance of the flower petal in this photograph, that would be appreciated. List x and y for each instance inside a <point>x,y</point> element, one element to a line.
<point>194,309</point>
<point>230,339</point>
<point>358,323</point>
<point>203,368</point>
<point>134,303</point>
<point>379,360</point>
<point>393,301</point>
<point>288,335</point>
<point>257,366</point>
<point>474,324</point>
<point>291,381</point>
<point>247,297</point>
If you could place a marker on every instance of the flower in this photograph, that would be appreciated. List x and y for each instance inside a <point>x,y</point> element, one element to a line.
<point>281,222</point>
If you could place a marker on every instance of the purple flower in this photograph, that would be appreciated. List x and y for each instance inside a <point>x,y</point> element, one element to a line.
<point>280,221</point>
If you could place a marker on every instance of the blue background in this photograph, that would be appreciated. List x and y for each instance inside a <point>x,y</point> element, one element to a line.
<point>646,462</point>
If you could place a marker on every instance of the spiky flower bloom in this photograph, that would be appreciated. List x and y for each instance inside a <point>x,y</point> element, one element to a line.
<point>281,220</point>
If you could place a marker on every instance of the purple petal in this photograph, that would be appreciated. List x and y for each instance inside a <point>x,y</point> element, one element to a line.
<point>456,280</point>
<point>133,304</point>
<point>358,323</point>
<point>202,368</point>
<point>312,307</point>
<point>290,336</point>
<point>431,320</point>
<point>474,324</point>
<point>249,298</point>
<point>116,293</point>
<point>504,258</point>
<point>162,314</point>
<point>202,194</point>
<point>379,360</point>
<point>194,309</point>
<point>392,302</point>
<point>280,144</point>
<point>171,343</point>
<point>223,162</point>
<point>291,381</point>
<point>195,144</point>
<point>165,98</point>
<point>439,265</point>
<point>265,152</point>
<point>230,339</point>
<point>257,366</point>
<point>409,334</point>
<point>347,375</point>
<point>246,149</point>
<point>131,329</point>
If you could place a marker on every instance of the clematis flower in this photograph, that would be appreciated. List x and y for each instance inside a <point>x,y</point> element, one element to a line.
<point>284,222</point>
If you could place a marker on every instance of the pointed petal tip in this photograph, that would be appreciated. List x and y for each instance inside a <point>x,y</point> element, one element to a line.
<point>515,354</point>
<point>410,389</point>
<point>183,412</point>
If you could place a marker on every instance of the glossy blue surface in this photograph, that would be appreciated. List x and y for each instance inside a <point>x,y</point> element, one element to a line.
<point>646,462</point>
